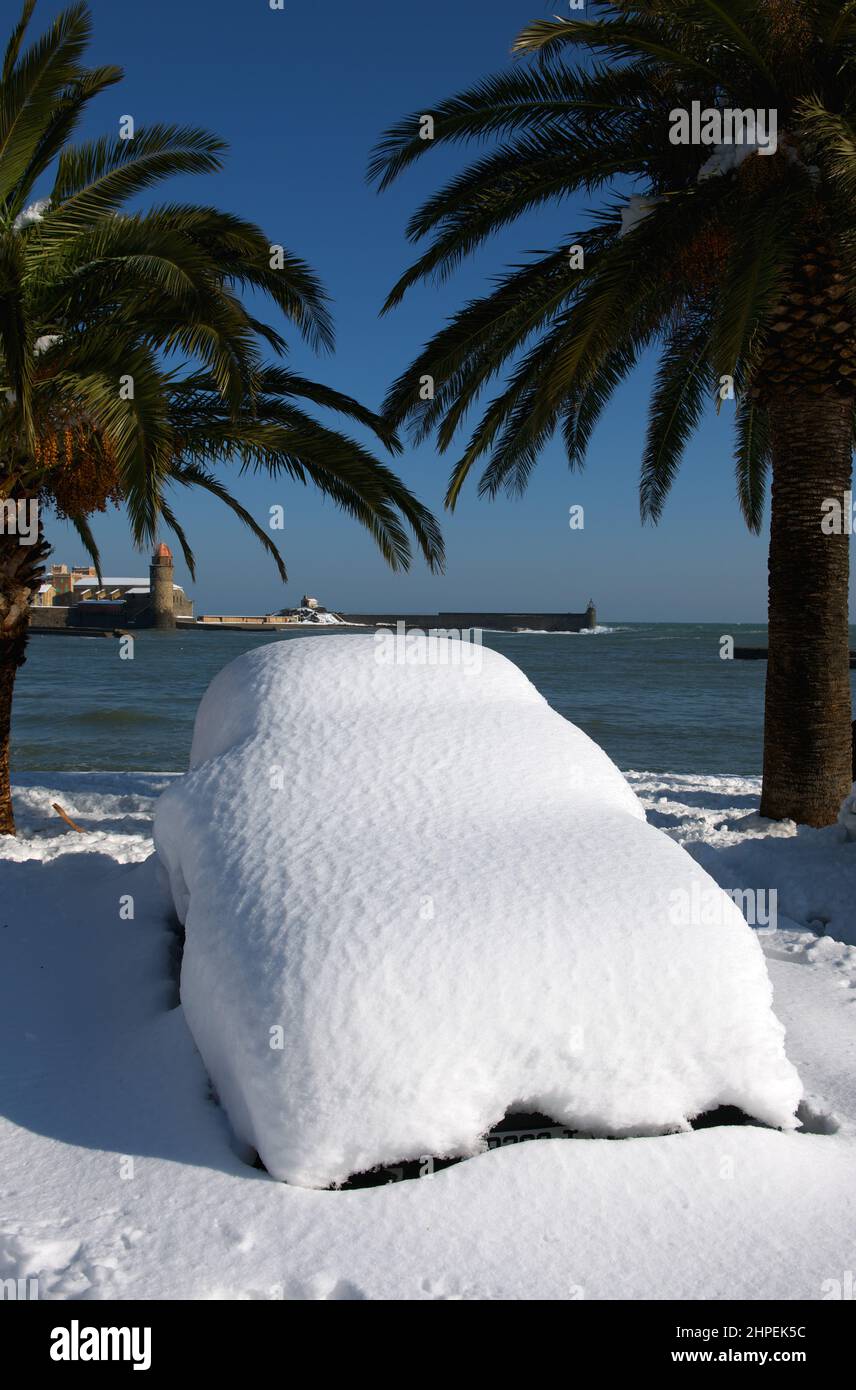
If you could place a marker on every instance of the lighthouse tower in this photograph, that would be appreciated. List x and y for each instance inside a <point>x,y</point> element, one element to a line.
<point>161,572</point>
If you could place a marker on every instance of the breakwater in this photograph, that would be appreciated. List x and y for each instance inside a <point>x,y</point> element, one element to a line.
<point>488,622</point>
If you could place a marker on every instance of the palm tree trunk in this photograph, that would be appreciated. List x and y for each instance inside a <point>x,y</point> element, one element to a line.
<point>11,657</point>
<point>807,728</point>
<point>21,569</point>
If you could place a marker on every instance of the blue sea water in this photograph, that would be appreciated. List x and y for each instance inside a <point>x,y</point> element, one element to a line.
<point>656,696</point>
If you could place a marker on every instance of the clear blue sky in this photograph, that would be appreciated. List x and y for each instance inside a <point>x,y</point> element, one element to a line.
<point>301,95</point>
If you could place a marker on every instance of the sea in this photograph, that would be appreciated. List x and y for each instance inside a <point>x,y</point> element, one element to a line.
<point>656,696</point>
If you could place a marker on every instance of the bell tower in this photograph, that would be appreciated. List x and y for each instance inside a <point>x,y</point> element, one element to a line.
<point>162,572</point>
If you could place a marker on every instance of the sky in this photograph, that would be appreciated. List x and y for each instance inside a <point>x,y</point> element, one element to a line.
<point>301,95</point>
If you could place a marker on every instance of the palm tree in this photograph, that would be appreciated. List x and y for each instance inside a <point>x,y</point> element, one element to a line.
<point>129,364</point>
<point>739,266</point>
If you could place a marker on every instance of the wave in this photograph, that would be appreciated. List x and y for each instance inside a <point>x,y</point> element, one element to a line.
<point>598,631</point>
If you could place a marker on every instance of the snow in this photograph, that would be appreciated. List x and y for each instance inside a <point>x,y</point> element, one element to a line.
<point>725,159</point>
<point>138,589</point>
<point>45,343</point>
<point>119,1178</point>
<point>382,958</point>
<point>716,818</point>
<point>636,210</point>
<point>311,617</point>
<point>847,816</point>
<point>34,213</point>
<point>109,581</point>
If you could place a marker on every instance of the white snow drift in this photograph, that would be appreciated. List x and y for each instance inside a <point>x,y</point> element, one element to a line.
<point>416,897</point>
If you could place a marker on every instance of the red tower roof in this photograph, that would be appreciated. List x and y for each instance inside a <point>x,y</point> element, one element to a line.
<point>163,552</point>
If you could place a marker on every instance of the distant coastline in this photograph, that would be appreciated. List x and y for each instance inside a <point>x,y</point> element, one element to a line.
<point>61,620</point>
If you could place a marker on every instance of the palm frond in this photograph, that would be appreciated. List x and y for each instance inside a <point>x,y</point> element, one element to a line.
<point>38,77</point>
<point>619,38</point>
<point>96,179</point>
<point>763,250</point>
<point>64,119</point>
<point>752,461</point>
<point>508,103</point>
<point>87,539</point>
<point>274,381</point>
<point>677,405</point>
<point>16,38</point>
<point>171,520</point>
<point>192,475</point>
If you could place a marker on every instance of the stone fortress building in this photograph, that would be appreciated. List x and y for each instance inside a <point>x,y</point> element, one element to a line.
<point>76,598</point>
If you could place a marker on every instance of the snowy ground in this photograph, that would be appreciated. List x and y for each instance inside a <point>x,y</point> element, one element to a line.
<point>118,1178</point>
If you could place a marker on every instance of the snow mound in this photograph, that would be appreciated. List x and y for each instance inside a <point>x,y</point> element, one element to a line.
<point>847,814</point>
<point>416,897</point>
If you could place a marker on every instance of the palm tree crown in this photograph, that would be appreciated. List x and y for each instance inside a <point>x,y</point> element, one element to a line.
<point>128,361</point>
<point>696,248</point>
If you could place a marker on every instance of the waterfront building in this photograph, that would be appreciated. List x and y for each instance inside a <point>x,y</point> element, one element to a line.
<point>78,598</point>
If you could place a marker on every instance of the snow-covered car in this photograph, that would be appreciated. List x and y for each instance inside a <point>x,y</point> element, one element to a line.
<point>417,898</point>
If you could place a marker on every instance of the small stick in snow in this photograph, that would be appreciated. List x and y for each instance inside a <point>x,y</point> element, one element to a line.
<point>67,818</point>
